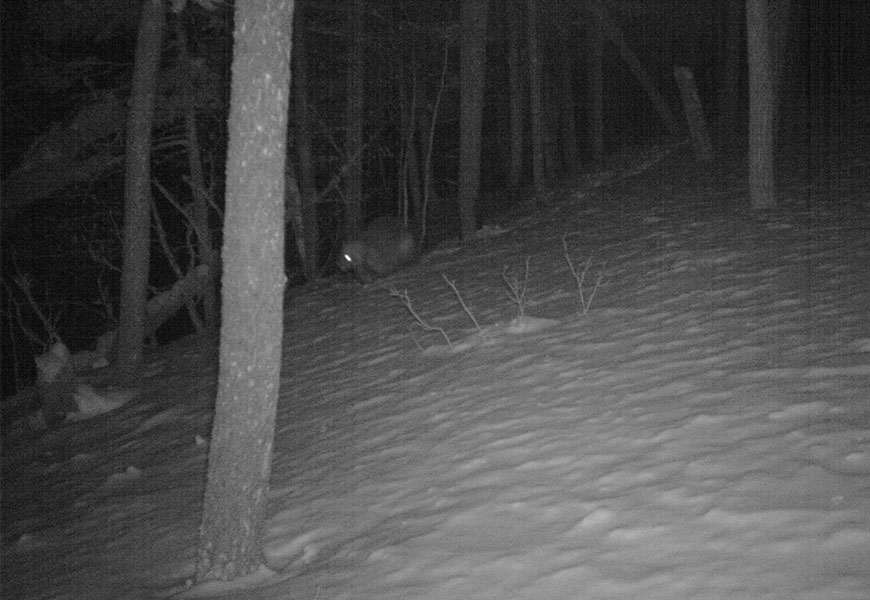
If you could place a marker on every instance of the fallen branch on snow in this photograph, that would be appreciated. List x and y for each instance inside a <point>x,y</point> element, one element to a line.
<point>406,302</point>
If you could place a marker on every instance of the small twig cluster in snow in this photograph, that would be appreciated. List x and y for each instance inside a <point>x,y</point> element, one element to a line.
<point>517,292</point>
<point>464,306</point>
<point>580,277</point>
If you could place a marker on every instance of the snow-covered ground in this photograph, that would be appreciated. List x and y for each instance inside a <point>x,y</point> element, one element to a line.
<point>703,432</point>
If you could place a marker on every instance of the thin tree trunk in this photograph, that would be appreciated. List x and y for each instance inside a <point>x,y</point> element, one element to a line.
<point>424,168</point>
<point>536,110</point>
<point>550,99</point>
<point>239,462</point>
<point>411,182</point>
<point>762,185</point>
<point>408,198</point>
<point>200,216</point>
<point>728,85</point>
<point>782,55</point>
<point>137,191</point>
<point>517,100</point>
<point>426,125</point>
<point>307,186</point>
<point>471,80</point>
<point>354,143</point>
<point>570,150</point>
<point>595,85</point>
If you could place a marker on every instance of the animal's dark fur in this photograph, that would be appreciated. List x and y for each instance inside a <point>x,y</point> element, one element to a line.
<point>384,246</point>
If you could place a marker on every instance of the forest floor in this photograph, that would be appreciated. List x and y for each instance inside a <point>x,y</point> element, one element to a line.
<point>701,432</point>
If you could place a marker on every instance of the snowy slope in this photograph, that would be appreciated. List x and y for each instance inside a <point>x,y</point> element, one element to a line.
<point>702,433</point>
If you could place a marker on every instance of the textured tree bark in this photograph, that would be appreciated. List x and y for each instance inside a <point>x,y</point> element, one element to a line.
<point>515,70</point>
<point>595,85</point>
<point>307,187</point>
<point>729,90</point>
<point>354,143</point>
<point>535,102</point>
<point>252,294</point>
<point>472,72</point>
<point>570,149</point>
<point>137,191</point>
<point>762,185</point>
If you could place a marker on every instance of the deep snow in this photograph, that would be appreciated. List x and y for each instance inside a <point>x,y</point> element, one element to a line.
<point>702,433</point>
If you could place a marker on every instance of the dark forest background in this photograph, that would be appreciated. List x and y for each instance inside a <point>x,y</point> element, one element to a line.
<point>66,72</point>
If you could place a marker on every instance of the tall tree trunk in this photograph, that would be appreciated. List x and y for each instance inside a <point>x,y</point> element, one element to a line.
<point>353,151</point>
<point>595,84</point>
<point>422,169</point>
<point>570,151</point>
<point>302,112</point>
<point>550,100</point>
<point>517,100</point>
<point>239,462</point>
<point>427,121</point>
<point>472,72</point>
<point>729,91</point>
<point>783,55</point>
<point>407,178</point>
<point>535,102</point>
<point>200,216</point>
<point>137,190</point>
<point>762,185</point>
<point>411,183</point>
